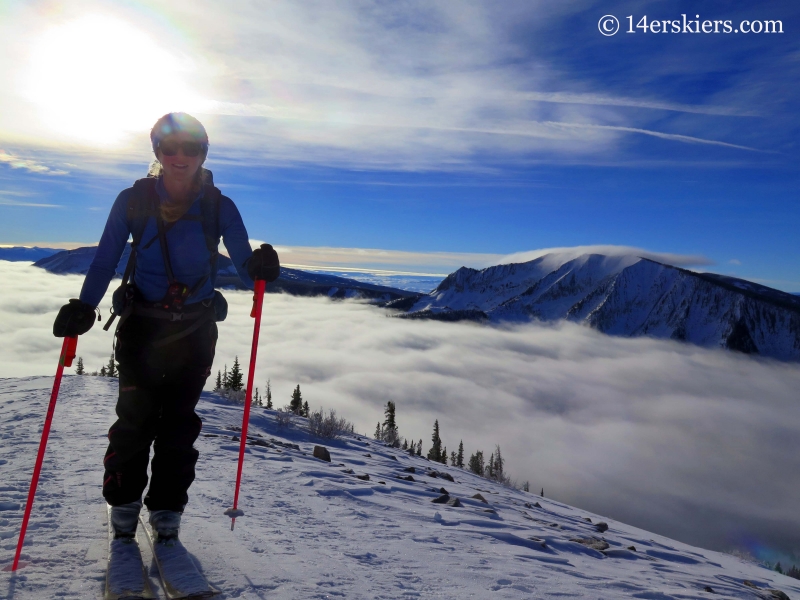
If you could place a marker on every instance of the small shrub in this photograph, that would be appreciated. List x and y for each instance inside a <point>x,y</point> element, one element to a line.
<point>328,426</point>
<point>235,396</point>
<point>283,418</point>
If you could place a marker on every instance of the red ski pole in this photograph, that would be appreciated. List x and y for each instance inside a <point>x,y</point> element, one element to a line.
<point>68,349</point>
<point>258,300</point>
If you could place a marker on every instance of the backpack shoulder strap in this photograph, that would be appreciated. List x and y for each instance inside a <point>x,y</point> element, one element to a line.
<point>141,206</point>
<point>209,210</point>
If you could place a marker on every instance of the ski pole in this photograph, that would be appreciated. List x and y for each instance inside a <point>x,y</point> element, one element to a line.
<point>258,300</point>
<point>68,349</point>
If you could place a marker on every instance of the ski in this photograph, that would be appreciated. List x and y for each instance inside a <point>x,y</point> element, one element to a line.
<point>126,576</point>
<point>179,575</point>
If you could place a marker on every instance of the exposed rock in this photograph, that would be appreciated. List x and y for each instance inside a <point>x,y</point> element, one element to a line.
<point>364,477</point>
<point>368,455</point>
<point>750,584</point>
<point>455,503</point>
<point>482,499</point>
<point>257,442</point>
<point>778,595</point>
<point>708,589</point>
<point>490,510</point>
<point>234,438</point>
<point>349,471</point>
<point>592,542</point>
<point>446,476</point>
<point>601,526</point>
<point>443,491</point>
<point>321,452</point>
<point>406,478</point>
<point>587,519</point>
<point>540,541</point>
<point>410,470</point>
<point>632,548</point>
<point>382,482</point>
<point>537,505</point>
<point>443,499</point>
<point>393,457</point>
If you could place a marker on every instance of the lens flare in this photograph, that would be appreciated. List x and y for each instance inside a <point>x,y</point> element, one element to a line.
<point>97,79</point>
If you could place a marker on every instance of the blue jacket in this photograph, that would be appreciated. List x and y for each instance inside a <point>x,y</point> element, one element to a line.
<point>188,253</point>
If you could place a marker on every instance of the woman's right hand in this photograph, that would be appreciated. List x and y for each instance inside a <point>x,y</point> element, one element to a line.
<point>75,318</point>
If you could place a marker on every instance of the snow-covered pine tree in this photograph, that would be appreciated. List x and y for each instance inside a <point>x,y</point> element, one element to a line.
<point>79,370</point>
<point>103,372</point>
<point>412,448</point>
<point>391,434</point>
<point>526,487</point>
<point>490,467</point>
<point>460,456</point>
<point>111,369</point>
<point>435,453</point>
<point>453,459</point>
<point>269,395</point>
<point>405,444</point>
<point>235,377</point>
<point>218,384</point>
<point>378,432</point>
<point>256,398</point>
<point>443,457</point>
<point>306,410</point>
<point>225,384</point>
<point>296,405</point>
<point>419,448</point>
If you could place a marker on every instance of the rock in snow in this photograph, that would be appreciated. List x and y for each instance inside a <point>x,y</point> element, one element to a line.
<point>625,296</point>
<point>311,531</point>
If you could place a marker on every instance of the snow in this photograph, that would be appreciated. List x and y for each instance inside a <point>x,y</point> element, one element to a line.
<point>313,530</point>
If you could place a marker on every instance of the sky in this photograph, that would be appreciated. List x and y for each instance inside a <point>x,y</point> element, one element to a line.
<point>695,444</point>
<point>436,133</point>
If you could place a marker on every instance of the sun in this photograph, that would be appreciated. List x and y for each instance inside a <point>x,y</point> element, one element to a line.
<point>97,79</point>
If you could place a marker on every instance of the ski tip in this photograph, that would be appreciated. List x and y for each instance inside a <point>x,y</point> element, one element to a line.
<point>10,568</point>
<point>234,512</point>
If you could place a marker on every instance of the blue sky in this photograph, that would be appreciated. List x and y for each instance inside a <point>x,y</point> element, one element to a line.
<point>441,133</point>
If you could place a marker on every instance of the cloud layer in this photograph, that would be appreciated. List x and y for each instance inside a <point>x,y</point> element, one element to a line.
<point>700,445</point>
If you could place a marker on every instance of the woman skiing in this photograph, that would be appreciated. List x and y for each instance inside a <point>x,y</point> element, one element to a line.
<point>168,309</point>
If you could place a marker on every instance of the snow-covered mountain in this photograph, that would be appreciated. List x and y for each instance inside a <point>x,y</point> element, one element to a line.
<point>292,281</point>
<point>26,254</point>
<point>372,523</point>
<point>623,295</point>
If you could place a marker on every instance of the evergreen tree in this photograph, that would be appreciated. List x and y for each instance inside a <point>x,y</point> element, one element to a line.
<point>419,448</point>
<point>412,448</point>
<point>269,395</point>
<point>296,405</point>
<point>79,367</point>
<point>778,568</point>
<point>218,384</point>
<point>306,410</point>
<point>225,384</point>
<point>378,431</point>
<point>111,369</point>
<point>443,456</point>
<point>542,494</point>
<point>256,398</point>
<point>794,572</point>
<point>391,434</point>
<point>453,459</point>
<point>235,377</point>
<point>103,371</point>
<point>526,487</point>
<point>476,464</point>
<point>490,467</point>
<point>460,456</point>
<point>435,453</point>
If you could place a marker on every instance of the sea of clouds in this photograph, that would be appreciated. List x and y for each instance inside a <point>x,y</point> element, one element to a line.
<point>696,444</point>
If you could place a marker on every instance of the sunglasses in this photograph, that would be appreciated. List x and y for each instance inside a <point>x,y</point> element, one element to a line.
<point>190,149</point>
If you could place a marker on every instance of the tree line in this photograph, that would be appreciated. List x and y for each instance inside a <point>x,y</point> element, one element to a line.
<point>110,369</point>
<point>494,469</point>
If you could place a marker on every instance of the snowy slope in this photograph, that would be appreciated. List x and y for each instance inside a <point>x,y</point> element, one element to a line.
<point>627,296</point>
<point>315,530</point>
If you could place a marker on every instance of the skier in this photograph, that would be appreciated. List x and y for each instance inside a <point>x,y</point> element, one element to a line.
<point>167,333</point>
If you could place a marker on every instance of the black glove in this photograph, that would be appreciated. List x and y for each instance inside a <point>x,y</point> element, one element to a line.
<point>75,318</point>
<point>264,264</point>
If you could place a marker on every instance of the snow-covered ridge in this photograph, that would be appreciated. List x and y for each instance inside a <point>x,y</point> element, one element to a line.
<point>627,296</point>
<point>292,281</point>
<point>362,526</point>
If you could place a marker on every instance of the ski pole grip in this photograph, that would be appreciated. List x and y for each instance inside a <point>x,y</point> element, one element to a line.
<point>70,349</point>
<point>261,286</point>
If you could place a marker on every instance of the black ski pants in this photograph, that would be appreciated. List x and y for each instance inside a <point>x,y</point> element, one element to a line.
<point>158,391</point>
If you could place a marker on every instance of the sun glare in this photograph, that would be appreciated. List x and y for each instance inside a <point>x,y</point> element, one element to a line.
<point>98,79</point>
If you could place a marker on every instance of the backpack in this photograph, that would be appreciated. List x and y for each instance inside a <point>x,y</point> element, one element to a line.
<point>144,204</point>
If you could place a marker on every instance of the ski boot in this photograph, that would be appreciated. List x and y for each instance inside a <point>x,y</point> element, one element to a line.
<point>124,519</point>
<point>165,524</point>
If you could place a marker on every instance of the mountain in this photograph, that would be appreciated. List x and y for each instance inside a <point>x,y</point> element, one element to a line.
<point>291,281</point>
<point>622,295</point>
<point>372,523</point>
<point>25,254</point>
